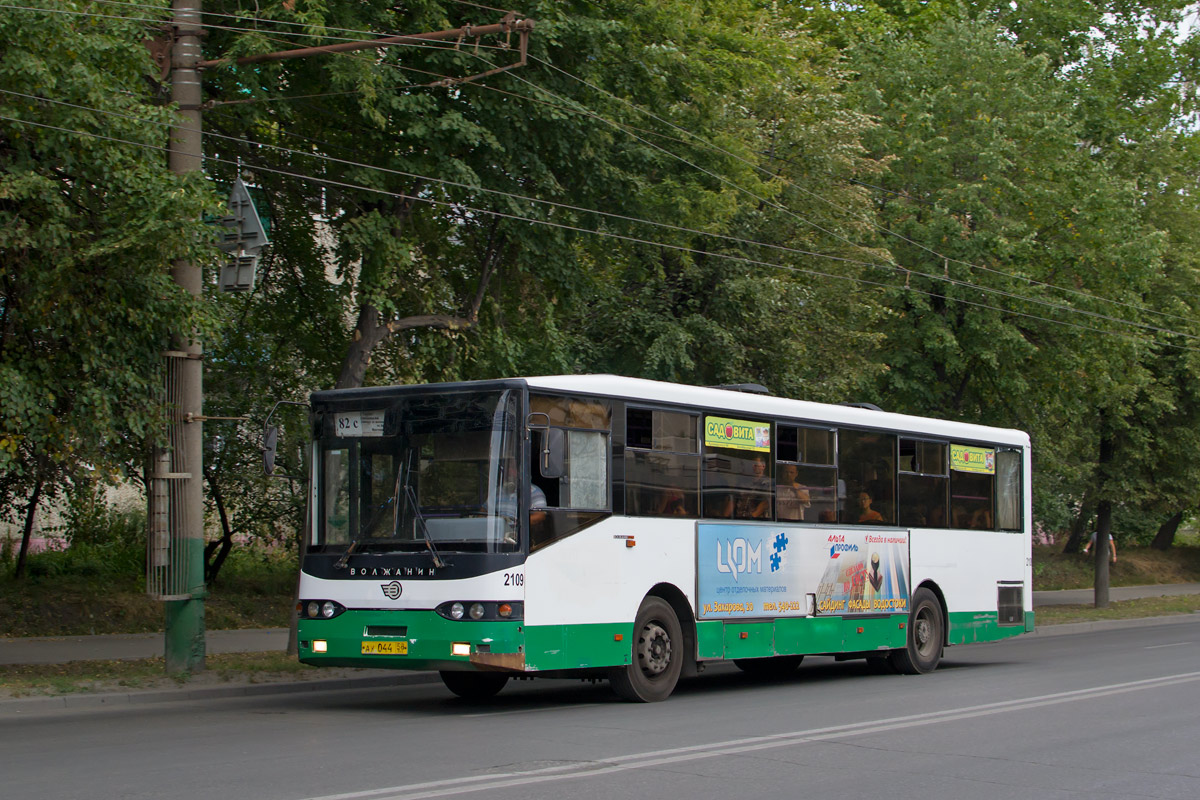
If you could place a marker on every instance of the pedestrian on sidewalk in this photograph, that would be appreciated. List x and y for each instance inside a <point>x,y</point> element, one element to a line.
<point>1112,545</point>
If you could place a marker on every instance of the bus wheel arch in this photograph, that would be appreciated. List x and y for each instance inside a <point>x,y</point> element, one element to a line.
<point>658,650</point>
<point>687,621</point>
<point>926,633</point>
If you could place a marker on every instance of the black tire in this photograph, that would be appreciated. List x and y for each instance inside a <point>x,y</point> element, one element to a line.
<point>657,655</point>
<point>926,635</point>
<point>474,685</point>
<point>774,667</point>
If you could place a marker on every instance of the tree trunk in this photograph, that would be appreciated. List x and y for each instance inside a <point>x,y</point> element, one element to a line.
<point>1166,532</point>
<point>212,565</point>
<point>371,330</point>
<point>368,334</point>
<point>1079,526</point>
<point>1101,551</point>
<point>27,533</point>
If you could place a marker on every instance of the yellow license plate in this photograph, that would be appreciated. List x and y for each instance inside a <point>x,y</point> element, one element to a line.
<point>385,648</point>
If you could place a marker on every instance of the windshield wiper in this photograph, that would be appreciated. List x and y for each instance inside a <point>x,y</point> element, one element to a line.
<point>341,562</point>
<point>410,497</point>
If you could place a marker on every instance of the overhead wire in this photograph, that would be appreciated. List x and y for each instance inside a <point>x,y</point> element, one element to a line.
<point>892,265</point>
<point>621,126</point>
<point>872,223</point>
<point>625,218</point>
<point>608,234</point>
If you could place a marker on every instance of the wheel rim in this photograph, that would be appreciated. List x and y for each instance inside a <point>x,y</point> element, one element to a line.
<point>654,649</point>
<point>925,632</point>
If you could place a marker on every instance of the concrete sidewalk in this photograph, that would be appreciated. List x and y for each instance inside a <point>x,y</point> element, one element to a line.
<point>61,649</point>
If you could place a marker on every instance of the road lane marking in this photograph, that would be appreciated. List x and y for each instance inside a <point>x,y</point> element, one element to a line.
<point>1173,644</point>
<point>582,769</point>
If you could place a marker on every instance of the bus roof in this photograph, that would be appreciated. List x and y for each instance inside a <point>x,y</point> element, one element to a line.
<point>704,397</point>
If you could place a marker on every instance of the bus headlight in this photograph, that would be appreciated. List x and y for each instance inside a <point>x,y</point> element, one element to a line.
<point>320,609</point>
<point>481,610</point>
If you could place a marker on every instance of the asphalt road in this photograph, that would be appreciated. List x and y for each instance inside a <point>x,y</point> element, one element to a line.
<point>1108,714</point>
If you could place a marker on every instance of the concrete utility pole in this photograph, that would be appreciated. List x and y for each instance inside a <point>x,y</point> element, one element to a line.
<point>184,591</point>
<point>175,559</point>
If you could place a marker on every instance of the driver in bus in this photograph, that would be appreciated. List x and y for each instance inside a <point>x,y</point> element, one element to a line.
<point>508,502</point>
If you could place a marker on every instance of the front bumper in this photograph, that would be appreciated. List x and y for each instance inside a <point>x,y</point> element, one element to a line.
<point>427,638</point>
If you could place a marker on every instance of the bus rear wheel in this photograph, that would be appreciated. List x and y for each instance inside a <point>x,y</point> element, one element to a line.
<point>775,667</point>
<point>657,655</point>
<point>474,685</point>
<point>926,633</point>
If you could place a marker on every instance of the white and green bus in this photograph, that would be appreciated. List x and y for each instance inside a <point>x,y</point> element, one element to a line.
<point>601,526</point>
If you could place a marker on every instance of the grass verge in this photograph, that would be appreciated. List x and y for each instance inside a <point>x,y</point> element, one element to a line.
<point>1136,566</point>
<point>1125,609</point>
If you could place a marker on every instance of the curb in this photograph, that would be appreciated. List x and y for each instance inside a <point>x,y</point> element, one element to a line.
<point>1069,628</point>
<point>106,700</point>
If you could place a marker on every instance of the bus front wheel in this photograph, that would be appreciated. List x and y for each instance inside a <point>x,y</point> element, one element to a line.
<point>657,655</point>
<point>474,685</point>
<point>926,633</point>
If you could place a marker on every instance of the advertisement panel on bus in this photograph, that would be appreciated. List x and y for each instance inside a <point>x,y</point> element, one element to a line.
<point>771,571</point>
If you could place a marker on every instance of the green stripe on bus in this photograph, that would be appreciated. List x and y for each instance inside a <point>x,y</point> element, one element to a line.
<point>967,627</point>
<point>550,647</point>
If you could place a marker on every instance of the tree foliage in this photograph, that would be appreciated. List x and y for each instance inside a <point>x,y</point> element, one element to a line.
<point>90,219</point>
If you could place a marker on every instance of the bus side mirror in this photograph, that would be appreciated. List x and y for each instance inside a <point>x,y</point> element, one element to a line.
<point>554,455</point>
<point>270,445</point>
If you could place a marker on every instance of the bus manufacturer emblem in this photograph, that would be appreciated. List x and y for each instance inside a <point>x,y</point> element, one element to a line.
<point>392,590</point>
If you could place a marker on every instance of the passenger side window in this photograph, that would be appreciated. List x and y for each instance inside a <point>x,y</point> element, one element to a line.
<point>972,486</point>
<point>867,472</point>
<point>662,463</point>
<point>1008,489</point>
<point>924,483</point>
<point>738,469</point>
<point>805,475</point>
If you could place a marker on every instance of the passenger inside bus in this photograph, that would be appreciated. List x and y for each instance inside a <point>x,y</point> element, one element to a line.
<point>866,514</point>
<point>670,503</point>
<point>756,503</point>
<point>792,497</point>
<point>719,505</point>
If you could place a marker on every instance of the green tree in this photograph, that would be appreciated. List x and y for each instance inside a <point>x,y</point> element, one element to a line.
<point>439,287</point>
<point>90,219</point>
<point>993,203</point>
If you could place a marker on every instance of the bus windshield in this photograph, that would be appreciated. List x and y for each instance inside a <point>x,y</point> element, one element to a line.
<point>425,472</point>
